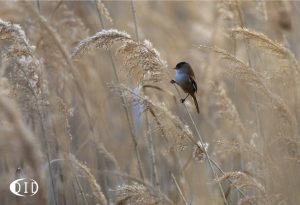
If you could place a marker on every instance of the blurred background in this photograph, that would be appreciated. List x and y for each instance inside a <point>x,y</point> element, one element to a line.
<point>77,128</point>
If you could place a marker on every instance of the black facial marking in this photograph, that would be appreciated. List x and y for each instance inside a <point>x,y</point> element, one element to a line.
<point>180,64</point>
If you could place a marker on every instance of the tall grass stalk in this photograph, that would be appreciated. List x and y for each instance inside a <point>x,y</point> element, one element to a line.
<point>133,136</point>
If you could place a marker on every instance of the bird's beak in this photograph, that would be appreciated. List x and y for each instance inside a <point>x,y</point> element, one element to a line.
<point>174,68</point>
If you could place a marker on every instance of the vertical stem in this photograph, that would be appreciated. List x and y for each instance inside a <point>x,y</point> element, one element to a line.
<point>205,152</point>
<point>38,5</point>
<point>178,188</point>
<point>133,136</point>
<point>257,114</point>
<point>242,24</point>
<point>154,176</point>
<point>135,21</point>
<point>220,169</point>
<point>81,191</point>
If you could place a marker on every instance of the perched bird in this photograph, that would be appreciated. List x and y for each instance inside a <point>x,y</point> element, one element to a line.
<point>185,79</point>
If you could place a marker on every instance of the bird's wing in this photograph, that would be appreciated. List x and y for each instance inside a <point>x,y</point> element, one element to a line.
<point>191,72</point>
<point>195,88</point>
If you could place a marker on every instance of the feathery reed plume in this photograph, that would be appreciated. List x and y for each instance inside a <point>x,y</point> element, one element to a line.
<point>108,156</point>
<point>243,72</point>
<point>227,109</point>
<point>139,194</point>
<point>275,48</point>
<point>12,32</point>
<point>242,180</point>
<point>25,73</point>
<point>66,112</point>
<point>240,70</point>
<point>103,10</point>
<point>22,68</point>
<point>250,149</point>
<point>252,200</point>
<point>141,59</point>
<point>199,151</point>
<point>175,130</point>
<point>102,39</point>
<point>92,181</point>
<point>143,55</point>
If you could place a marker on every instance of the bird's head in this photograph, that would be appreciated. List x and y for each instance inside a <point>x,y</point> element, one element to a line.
<point>182,65</point>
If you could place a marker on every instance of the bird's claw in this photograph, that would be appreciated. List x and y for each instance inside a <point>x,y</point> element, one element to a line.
<point>182,100</point>
<point>172,81</point>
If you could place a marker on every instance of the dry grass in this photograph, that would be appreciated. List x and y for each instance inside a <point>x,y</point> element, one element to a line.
<point>88,111</point>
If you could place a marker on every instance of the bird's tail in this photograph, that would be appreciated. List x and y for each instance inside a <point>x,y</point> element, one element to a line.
<point>196,103</point>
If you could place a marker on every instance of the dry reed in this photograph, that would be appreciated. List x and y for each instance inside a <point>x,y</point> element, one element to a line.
<point>56,102</point>
<point>142,60</point>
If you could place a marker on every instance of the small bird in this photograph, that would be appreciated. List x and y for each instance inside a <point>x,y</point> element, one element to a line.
<point>185,79</point>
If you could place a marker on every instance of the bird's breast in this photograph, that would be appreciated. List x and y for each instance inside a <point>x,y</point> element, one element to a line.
<point>183,80</point>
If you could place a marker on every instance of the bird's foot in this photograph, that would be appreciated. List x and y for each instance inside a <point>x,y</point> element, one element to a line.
<point>182,100</point>
<point>172,81</point>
